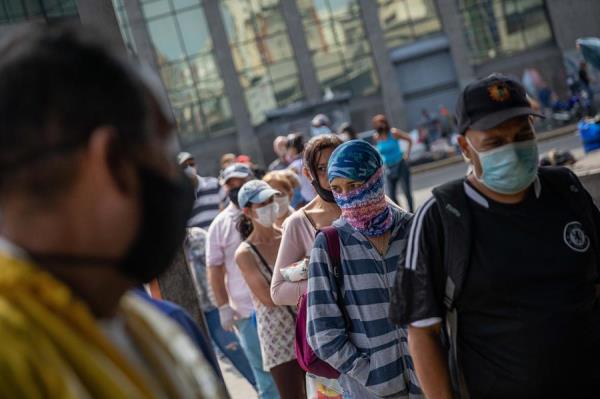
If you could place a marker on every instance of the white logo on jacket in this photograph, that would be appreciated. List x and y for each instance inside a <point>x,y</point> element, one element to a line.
<point>575,237</point>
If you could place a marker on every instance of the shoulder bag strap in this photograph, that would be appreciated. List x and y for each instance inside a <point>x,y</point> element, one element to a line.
<point>265,269</point>
<point>270,274</point>
<point>333,249</point>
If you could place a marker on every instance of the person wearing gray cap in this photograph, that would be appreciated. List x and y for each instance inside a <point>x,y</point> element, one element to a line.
<point>231,293</point>
<point>255,257</point>
<point>504,265</point>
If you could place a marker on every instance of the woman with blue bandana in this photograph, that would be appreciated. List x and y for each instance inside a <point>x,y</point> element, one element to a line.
<point>354,334</point>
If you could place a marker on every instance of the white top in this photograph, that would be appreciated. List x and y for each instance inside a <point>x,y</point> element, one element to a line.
<point>222,241</point>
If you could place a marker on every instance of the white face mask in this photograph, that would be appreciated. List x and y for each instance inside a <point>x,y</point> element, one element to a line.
<point>267,215</point>
<point>283,203</point>
<point>190,172</point>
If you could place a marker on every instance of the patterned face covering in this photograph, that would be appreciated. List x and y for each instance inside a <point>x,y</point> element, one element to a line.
<point>364,208</point>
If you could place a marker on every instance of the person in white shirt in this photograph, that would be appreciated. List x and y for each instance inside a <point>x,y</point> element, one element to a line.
<point>232,295</point>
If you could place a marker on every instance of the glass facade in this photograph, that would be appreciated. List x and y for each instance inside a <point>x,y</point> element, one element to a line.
<point>404,21</point>
<point>13,11</point>
<point>503,27</point>
<point>262,54</point>
<point>178,30</point>
<point>340,51</point>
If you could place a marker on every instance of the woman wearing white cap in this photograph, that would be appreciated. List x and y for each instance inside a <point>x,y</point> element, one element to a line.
<point>255,257</point>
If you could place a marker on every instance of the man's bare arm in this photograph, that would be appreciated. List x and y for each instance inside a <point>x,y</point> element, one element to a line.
<point>430,361</point>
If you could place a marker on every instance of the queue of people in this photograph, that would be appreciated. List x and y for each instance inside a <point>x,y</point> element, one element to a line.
<point>488,291</point>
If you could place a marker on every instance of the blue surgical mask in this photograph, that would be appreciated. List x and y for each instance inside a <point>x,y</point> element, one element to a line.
<point>508,169</point>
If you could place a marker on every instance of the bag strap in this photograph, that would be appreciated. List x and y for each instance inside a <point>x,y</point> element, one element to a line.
<point>456,221</point>
<point>263,261</point>
<point>268,269</point>
<point>333,249</point>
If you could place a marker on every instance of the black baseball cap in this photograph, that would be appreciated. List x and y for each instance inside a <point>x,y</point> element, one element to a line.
<point>487,103</point>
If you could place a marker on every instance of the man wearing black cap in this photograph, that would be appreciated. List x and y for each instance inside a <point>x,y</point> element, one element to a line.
<point>507,260</point>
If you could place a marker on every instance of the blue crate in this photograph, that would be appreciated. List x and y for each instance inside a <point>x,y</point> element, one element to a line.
<point>590,135</point>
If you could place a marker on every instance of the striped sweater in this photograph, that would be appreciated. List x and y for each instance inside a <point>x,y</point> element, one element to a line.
<point>372,352</point>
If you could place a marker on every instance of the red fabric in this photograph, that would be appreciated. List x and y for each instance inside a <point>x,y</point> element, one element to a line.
<point>307,359</point>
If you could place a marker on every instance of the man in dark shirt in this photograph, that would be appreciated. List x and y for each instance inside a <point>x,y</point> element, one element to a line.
<point>528,324</point>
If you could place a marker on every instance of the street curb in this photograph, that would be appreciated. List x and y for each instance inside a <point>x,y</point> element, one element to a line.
<point>561,131</point>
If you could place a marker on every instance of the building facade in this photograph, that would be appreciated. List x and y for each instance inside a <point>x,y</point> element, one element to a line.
<point>240,72</point>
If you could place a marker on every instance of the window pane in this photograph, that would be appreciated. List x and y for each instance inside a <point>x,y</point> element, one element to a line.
<point>275,48</point>
<point>237,17</point>
<point>176,76</point>
<point>160,7</point>
<point>283,69</point>
<point>165,39</point>
<point>246,56</point>
<point>204,68</point>
<point>404,21</point>
<point>184,96</point>
<point>189,120</point>
<point>210,88</point>
<point>287,90</point>
<point>260,97</point>
<point>503,27</point>
<point>218,114</point>
<point>194,31</point>
<point>262,54</point>
<point>336,36</point>
<point>180,4</point>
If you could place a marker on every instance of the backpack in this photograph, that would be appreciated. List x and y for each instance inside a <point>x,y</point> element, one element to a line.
<point>306,357</point>
<point>456,221</point>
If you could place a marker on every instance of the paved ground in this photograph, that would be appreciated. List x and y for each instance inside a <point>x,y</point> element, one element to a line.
<point>422,185</point>
<point>237,386</point>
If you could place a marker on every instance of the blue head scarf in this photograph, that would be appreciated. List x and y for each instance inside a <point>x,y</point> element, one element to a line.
<point>354,160</point>
<point>364,208</point>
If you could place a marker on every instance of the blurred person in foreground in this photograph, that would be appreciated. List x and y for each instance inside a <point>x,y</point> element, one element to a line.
<point>93,204</point>
<point>499,286</point>
<point>280,149</point>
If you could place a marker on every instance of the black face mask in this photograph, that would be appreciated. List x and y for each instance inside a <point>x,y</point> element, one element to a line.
<point>233,196</point>
<point>166,207</point>
<point>326,195</point>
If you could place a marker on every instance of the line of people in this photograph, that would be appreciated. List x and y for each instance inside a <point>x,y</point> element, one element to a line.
<point>489,291</point>
<point>445,303</point>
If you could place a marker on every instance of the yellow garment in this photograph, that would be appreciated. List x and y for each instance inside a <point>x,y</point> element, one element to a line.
<point>52,347</point>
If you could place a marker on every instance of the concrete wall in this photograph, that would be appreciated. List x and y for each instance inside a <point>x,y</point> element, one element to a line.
<point>572,19</point>
<point>547,59</point>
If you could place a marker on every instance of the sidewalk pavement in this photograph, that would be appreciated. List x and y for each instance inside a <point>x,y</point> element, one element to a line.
<point>237,385</point>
